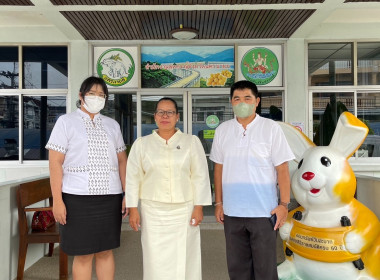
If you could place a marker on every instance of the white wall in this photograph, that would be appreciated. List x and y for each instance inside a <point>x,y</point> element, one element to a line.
<point>17,171</point>
<point>26,34</point>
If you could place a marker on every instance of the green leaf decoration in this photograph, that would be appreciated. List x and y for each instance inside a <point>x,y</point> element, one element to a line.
<point>116,57</point>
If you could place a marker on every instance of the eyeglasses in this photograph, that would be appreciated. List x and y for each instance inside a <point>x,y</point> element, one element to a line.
<point>161,113</point>
<point>90,93</point>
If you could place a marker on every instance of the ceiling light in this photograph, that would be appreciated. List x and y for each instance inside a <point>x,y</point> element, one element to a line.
<point>184,33</point>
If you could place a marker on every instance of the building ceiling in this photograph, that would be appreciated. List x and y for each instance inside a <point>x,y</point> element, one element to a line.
<point>144,25</point>
<point>154,19</point>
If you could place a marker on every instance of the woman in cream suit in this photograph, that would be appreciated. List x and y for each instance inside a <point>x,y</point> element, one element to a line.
<point>167,171</point>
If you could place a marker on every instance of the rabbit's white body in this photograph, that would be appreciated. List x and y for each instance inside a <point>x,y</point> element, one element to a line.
<point>319,244</point>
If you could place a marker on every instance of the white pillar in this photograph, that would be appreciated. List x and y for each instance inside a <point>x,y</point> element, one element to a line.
<point>78,70</point>
<point>296,75</point>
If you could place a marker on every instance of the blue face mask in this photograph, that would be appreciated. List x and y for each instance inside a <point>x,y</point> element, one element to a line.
<point>243,110</point>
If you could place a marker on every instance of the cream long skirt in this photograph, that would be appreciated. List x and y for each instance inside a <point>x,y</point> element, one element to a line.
<point>171,246</point>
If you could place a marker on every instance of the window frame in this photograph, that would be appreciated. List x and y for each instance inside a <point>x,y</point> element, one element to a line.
<point>353,59</point>
<point>132,93</point>
<point>361,163</point>
<point>356,61</point>
<point>21,92</point>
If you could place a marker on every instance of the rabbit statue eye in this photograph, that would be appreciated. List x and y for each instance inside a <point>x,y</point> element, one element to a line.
<point>325,161</point>
<point>300,163</point>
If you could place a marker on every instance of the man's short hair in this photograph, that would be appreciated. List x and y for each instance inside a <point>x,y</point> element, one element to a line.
<point>244,85</point>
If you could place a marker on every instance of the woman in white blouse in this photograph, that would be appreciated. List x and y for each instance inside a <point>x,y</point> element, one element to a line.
<point>167,171</point>
<point>87,162</point>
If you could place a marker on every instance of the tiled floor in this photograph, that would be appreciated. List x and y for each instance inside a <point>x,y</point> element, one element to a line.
<point>128,258</point>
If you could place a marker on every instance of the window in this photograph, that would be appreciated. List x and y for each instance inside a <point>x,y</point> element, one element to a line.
<point>369,113</point>
<point>45,69</point>
<point>368,63</point>
<point>208,113</point>
<point>9,128</point>
<point>271,105</point>
<point>9,67</point>
<point>122,108</point>
<point>330,64</point>
<point>40,115</point>
<point>327,105</point>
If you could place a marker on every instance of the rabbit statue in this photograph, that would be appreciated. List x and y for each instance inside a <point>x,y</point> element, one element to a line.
<point>331,235</point>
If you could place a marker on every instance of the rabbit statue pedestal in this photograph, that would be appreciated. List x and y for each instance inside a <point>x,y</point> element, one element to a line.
<point>331,236</point>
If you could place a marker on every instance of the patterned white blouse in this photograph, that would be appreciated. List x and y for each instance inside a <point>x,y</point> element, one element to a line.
<point>90,148</point>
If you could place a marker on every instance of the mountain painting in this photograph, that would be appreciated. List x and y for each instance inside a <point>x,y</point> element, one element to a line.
<point>187,66</point>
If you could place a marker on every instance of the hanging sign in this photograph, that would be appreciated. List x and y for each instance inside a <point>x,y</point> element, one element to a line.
<point>261,65</point>
<point>116,66</point>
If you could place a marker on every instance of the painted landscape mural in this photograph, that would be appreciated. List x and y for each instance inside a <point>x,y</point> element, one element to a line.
<point>187,66</point>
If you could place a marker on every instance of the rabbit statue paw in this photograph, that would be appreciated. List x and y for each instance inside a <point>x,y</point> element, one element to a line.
<point>285,231</point>
<point>353,242</point>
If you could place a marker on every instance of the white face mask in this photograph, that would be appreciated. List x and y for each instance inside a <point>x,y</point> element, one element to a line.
<point>94,104</point>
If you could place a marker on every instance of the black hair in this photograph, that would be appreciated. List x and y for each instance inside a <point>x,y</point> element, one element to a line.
<point>167,99</point>
<point>244,85</point>
<point>88,83</point>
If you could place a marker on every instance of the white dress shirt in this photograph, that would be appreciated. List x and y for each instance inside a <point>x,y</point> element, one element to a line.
<point>249,158</point>
<point>90,147</point>
<point>172,172</point>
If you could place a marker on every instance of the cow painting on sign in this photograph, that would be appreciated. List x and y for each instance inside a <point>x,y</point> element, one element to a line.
<point>331,235</point>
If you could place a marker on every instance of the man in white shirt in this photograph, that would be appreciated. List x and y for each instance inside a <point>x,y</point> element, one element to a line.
<point>251,156</point>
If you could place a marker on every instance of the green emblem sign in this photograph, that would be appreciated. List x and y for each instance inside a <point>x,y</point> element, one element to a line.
<point>116,67</point>
<point>212,121</point>
<point>259,65</point>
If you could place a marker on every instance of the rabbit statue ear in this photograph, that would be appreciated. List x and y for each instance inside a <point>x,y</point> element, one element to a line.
<point>297,141</point>
<point>349,134</point>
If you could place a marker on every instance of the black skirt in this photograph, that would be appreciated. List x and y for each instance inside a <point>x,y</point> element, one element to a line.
<point>93,223</point>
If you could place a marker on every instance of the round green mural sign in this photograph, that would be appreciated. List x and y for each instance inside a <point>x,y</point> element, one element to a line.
<point>212,121</point>
<point>116,67</point>
<point>259,65</point>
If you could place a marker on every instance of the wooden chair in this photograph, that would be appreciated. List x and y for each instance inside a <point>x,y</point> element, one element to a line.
<point>28,194</point>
